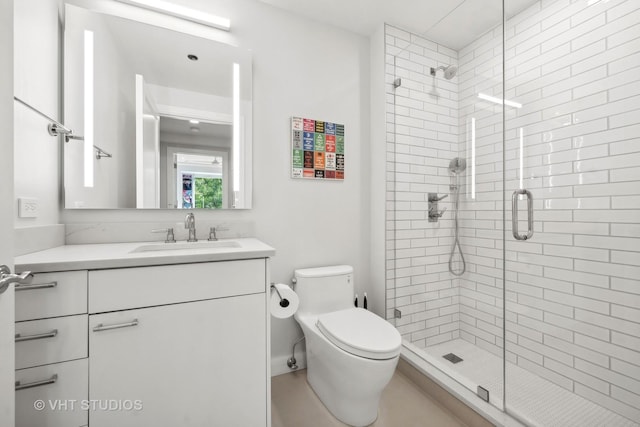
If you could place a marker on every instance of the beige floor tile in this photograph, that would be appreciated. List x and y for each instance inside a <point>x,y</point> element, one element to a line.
<point>403,404</point>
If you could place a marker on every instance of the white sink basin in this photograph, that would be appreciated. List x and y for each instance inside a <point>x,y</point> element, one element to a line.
<point>187,246</point>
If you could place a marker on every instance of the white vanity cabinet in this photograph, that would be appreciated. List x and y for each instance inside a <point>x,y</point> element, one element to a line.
<point>160,337</point>
<point>51,350</point>
<point>180,345</point>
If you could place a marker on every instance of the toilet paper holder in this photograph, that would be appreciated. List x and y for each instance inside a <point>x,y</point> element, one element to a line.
<point>283,301</point>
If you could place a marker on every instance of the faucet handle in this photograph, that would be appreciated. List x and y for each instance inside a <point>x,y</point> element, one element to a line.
<point>212,234</point>
<point>170,236</point>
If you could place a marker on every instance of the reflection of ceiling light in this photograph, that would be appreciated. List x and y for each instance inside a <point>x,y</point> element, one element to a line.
<point>499,100</point>
<point>182,12</point>
<point>215,161</point>
<point>194,129</point>
<point>194,122</point>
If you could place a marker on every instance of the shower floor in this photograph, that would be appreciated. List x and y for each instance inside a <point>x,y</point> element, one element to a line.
<point>531,398</point>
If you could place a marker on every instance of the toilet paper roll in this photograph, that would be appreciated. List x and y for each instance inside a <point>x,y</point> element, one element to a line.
<point>286,307</point>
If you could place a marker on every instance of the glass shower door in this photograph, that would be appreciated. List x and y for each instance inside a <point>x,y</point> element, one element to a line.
<point>572,155</point>
<point>445,209</point>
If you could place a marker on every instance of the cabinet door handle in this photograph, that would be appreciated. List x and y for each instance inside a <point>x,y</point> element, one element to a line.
<point>23,287</point>
<point>20,338</point>
<point>51,380</point>
<point>100,327</point>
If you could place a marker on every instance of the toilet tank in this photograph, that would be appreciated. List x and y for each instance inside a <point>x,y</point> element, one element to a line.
<point>324,289</point>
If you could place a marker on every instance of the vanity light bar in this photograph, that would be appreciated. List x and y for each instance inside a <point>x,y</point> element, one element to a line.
<point>193,15</point>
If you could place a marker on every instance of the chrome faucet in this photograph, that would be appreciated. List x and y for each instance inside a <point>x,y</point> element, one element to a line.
<point>190,224</point>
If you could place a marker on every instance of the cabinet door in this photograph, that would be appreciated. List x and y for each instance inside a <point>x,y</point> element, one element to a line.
<point>195,364</point>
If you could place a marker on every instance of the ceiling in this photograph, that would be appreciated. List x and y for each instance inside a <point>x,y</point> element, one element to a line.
<point>452,23</point>
<point>220,134</point>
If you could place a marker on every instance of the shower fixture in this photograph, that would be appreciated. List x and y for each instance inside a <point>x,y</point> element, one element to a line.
<point>449,71</point>
<point>456,167</point>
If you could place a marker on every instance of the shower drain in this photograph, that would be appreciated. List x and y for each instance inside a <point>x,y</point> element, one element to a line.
<point>452,358</point>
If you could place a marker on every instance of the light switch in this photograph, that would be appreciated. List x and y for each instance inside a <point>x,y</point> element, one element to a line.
<point>28,207</point>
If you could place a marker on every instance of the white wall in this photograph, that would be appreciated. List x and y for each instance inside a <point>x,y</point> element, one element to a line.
<point>7,306</point>
<point>377,172</point>
<point>307,69</point>
<point>37,82</point>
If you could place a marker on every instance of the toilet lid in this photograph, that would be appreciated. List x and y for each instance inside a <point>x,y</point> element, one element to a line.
<point>361,332</point>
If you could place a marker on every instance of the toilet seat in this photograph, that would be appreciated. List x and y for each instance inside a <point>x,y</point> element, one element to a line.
<point>361,332</point>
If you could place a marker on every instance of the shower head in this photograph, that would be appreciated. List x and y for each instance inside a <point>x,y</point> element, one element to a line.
<point>457,165</point>
<point>449,71</point>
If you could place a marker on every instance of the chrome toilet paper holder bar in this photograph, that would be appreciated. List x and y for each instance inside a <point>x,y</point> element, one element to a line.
<point>283,301</point>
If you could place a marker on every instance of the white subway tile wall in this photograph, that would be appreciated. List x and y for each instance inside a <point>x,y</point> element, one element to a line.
<point>422,137</point>
<point>573,291</point>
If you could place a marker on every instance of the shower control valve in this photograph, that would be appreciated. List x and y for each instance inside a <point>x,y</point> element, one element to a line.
<point>433,197</point>
<point>434,212</point>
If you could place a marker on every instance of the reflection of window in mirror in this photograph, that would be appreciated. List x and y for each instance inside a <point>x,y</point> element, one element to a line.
<point>199,181</point>
<point>197,170</point>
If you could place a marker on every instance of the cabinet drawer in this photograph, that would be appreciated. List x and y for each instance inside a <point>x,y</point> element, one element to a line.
<point>51,295</point>
<point>51,340</point>
<point>68,391</point>
<point>125,288</point>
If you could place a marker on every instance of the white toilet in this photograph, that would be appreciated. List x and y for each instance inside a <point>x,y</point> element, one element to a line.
<point>351,352</point>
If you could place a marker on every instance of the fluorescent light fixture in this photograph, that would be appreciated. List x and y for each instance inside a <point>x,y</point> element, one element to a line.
<point>139,122</point>
<point>192,15</point>
<point>88,108</point>
<point>194,121</point>
<point>473,157</point>
<point>236,127</point>
<point>521,158</point>
<point>498,100</point>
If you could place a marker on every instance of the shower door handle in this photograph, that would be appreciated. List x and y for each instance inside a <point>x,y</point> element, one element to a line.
<point>514,214</point>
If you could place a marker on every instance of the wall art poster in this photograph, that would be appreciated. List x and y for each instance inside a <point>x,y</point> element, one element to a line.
<point>317,149</point>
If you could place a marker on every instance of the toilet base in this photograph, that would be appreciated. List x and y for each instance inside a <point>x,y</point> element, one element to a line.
<point>349,386</point>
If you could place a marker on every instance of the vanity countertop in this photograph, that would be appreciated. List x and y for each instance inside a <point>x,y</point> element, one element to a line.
<point>138,254</point>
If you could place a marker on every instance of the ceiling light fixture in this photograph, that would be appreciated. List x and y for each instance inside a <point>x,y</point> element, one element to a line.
<point>182,12</point>
<point>194,121</point>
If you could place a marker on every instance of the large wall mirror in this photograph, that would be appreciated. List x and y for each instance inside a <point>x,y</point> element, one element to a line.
<point>162,118</point>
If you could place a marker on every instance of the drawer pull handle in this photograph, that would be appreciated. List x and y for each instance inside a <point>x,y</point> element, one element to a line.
<point>101,327</point>
<point>23,287</point>
<point>20,338</point>
<point>51,380</point>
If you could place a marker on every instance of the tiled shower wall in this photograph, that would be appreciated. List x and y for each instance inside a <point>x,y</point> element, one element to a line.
<point>422,137</point>
<point>573,291</point>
